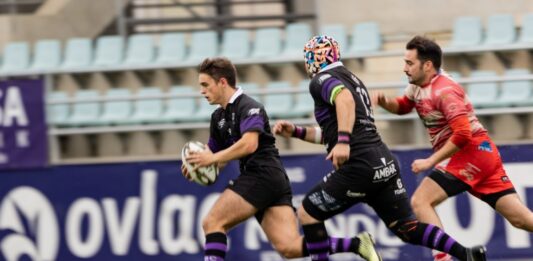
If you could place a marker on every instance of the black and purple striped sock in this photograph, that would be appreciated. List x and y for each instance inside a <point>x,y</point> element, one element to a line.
<point>215,246</point>
<point>317,241</point>
<point>436,238</point>
<point>341,245</point>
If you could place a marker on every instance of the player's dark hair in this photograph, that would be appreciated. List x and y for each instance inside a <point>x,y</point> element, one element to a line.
<point>219,67</point>
<point>427,49</point>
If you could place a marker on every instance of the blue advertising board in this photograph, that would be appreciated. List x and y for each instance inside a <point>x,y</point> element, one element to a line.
<point>148,211</point>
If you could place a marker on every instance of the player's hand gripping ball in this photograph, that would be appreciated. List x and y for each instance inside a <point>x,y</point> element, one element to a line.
<point>204,175</point>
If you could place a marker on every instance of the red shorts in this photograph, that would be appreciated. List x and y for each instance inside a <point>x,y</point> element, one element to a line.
<point>479,165</point>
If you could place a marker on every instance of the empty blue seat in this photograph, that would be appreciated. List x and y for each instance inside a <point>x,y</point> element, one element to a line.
<point>147,110</point>
<point>204,110</point>
<point>171,48</point>
<point>203,44</point>
<point>235,44</point>
<point>109,51</point>
<point>467,32</point>
<point>47,55</point>
<point>267,43</point>
<point>179,109</point>
<point>338,32</point>
<point>140,50</point>
<point>16,57</point>
<point>526,32</point>
<point>116,112</point>
<point>84,113</point>
<point>248,87</point>
<point>296,35</point>
<point>516,93</point>
<point>366,37</point>
<point>483,94</point>
<point>57,114</point>
<point>78,53</point>
<point>500,30</point>
<point>278,105</point>
<point>305,104</point>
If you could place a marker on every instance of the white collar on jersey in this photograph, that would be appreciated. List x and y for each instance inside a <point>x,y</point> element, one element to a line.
<point>331,66</point>
<point>235,95</point>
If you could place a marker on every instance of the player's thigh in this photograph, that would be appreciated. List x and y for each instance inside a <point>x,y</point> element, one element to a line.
<point>229,210</point>
<point>281,227</point>
<point>513,209</point>
<point>429,192</point>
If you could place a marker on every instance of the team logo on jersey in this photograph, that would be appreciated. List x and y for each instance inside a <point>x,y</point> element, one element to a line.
<point>221,123</point>
<point>254,111</point>
<point>355,80</point>
<point>485,146</point>
<point>469,171</point>
<point>323,77</point>
<point>385,171</point>
<point>505,179</point>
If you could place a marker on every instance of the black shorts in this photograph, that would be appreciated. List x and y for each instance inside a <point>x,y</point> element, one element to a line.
<point>372,176</point>
<point>263,187</point>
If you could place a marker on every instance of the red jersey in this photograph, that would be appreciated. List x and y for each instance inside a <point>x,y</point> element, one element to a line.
<point>439,102</point>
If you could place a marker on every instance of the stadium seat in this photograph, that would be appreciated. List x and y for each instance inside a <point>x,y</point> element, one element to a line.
<point>267,43</point>
<point>47,55</point>
<point>116,112</point>
<point>304,105</point>
<point>467,32</point>
<point>109,51</point>
<point>250,86</point>
<point>78,53</point>
<point>366,37</point>
<point>454,75</point>
<point>84,113</point>
<point>526,32</point>
<point>483,94</point>
<point>278,105</point>
<point>147,110</point>
<point>296,35</point>
<point>235,44</point>
<point>179,109</point>
<point>500,30</point>
<point>16,57</point>
<point>203,44</point>
<point>204,110</point>
<point>140,50</point>
<point>58,114</point>
<point>171,48</point>
<point>338,32</point>
<point>516,93</point>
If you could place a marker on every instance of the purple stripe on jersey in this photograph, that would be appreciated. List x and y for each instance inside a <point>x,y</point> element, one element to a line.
<point>213,258</point>
<point>252,122</point>
<point>346,244</point>
<point>437,238</point>
<point>215,246</point>
<point>317,245</point>
<point>449,243</point>
<point>426,234</point>
<point>328,86</point>
<point>321,114</point>
<point>213,146</point>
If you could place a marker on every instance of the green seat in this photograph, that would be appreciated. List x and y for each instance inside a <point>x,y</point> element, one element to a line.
<point>500,30</point>
<point>267,43</point>
<point>338,32</point>
<point>47,55</point>
<point>483,94</point>
<point>250,87</point>
<point>147,110</point>
<point>278,105</point>
<point>366,37</point>
<point>203,44</point>
<point>84,113</point>
<point>109,51</point>
<point>116,112</point>
<point>235,44</point>
<point>58,114</point>
<point>516,93</point>
<point>171,48</point>
<point>16,57</point>
<point>78,53</point>
<point>467,32</point>
<point>179,109</point>
<point>140,50</point>
<point>296,35</point>
<point>526,32</point>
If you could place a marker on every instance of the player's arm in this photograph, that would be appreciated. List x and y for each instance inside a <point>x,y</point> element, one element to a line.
<point>345,109</point>
<point>399,105</point>
<point>288,129</point>
<point>245,146</point>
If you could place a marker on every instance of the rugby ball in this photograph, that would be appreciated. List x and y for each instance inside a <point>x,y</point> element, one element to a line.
<point>205,175</point>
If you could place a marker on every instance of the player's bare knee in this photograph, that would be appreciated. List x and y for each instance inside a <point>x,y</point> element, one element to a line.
<point>287,251</point>
<point>304,217</point>
<point>210,224</point>
<point>518,222</point>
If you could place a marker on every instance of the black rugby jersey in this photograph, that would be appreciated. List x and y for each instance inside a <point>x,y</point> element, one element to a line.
<point>243,114</point>
<point>324,87</point>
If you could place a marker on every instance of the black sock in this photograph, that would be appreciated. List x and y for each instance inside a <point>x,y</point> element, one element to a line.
<point>433,237</point>
<point>317,241</point>
<point>337,245</point>
<point>215,246</point>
